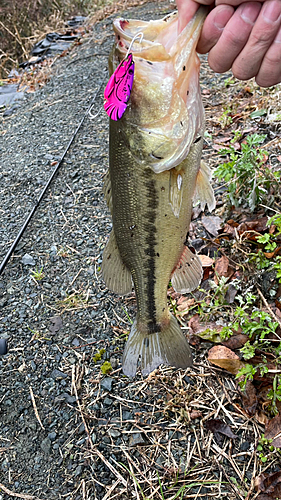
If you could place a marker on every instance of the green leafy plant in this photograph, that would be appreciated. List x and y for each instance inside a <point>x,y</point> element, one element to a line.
<point>264,447</point>
<point>246,173</point>
<point>275,394</point>
<point>271,242</point>
<point>97,357</point>
<point>106,367</point>
<point>38,274</point>
<point>214,300</point>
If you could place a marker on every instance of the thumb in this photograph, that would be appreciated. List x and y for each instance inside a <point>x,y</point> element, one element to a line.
<point>187,9</point>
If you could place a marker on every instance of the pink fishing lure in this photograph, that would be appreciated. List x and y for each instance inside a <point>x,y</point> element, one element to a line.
<point>118,90</point>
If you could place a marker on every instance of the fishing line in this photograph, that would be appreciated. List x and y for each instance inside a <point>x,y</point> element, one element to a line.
<point>138,35</point>
<point>43,192</point>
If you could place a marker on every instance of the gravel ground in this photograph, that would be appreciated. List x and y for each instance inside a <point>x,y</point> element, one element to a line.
<point>66,429</point>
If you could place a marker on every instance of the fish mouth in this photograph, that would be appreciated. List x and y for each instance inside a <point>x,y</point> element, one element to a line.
<point>160,34</point>
<point>165,110</point>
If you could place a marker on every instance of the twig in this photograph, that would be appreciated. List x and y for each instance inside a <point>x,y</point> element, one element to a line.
<point>110,466</point>
<point>79,406</point>
<point>108,496</point>
<point>228,479</point>
<point>75,277</point>
<point>17,495</point>
<point>35,407</point>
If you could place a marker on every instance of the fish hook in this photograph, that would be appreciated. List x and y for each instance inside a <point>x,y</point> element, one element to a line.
<point>137,35</point>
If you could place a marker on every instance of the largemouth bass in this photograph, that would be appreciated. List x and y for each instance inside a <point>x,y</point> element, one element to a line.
<point>154,174</point>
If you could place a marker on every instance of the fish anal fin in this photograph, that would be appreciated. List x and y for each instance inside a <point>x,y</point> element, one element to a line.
<point>203,189</point>
<point>188,273</point>
<point>168,347</point>
<point>115,274</point>
<point>106,189</point>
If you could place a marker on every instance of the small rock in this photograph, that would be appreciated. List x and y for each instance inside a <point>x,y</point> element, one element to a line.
<point>57,374</point>
<point>127,415</point>
<point>28,260</point>
<point>78,470</point>
<point>106,384</point>
<point>113,362</point>
<point>137,439</point>
<point>52,436</point>
<point>46,445</point>
<point>114,433</point>
<point>188,380</point>
<point>245,446</point>
<point>33,365</point>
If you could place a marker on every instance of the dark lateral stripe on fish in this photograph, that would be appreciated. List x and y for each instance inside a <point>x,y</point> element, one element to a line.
<point>150,240</point>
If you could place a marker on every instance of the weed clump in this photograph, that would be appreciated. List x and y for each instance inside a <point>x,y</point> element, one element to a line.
<point>97,357</point>
<point>106,367</point>
<point>249,178</point>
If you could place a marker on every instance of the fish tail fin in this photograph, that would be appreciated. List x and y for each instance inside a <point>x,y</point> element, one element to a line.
<point>168,347</point>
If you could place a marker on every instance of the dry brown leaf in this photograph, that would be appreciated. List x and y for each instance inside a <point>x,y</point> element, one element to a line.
<point>249,398</point>
<point>223,357</point>
<point>229,230</point>
<point>236,341</point>
<point>195,414</point>
<point>184,304</point>
<point>257,225</point>
<point>261,418</point>
<point>221,266</point>
<point>207,331</point>
<point>218,427</point>
<point>212,223</point>
<point>269,485</point>
<point>205,260</point>
<point>273,431</point>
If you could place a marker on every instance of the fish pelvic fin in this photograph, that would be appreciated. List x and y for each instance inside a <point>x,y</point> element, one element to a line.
<point>175,195</point>
<point>203,189</point>
<point>168,347</point>
<point>116,275</point>
<point>188,273</point>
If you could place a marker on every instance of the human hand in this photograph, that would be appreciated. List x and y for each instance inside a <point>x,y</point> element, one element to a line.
<point>242,35</point>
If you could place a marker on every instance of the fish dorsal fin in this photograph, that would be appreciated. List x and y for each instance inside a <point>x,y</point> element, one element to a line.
<point>175,194</point>
<point>106,189</point>
<point>116,275</point>
<point>203,189</point>
<point>188,273</point>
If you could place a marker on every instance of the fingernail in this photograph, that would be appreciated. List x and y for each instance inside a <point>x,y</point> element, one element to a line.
<point>271,11</point>
<point>221,18</point>
<point>249,12</point>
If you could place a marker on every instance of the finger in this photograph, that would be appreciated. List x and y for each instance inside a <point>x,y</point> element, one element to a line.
<point>234,3</point>
<point>234,37</point>
<point>187,9</point>
<point>270,70</point>
<point>248,62</point>
<point>213,27</point>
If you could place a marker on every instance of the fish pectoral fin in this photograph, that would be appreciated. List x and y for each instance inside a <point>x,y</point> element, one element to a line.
<point>175,194</point>
<point>106,189</point>
<point>188,273</point>
<point>168,347</point>
<point>203,189</point>
<point>116,275</point>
